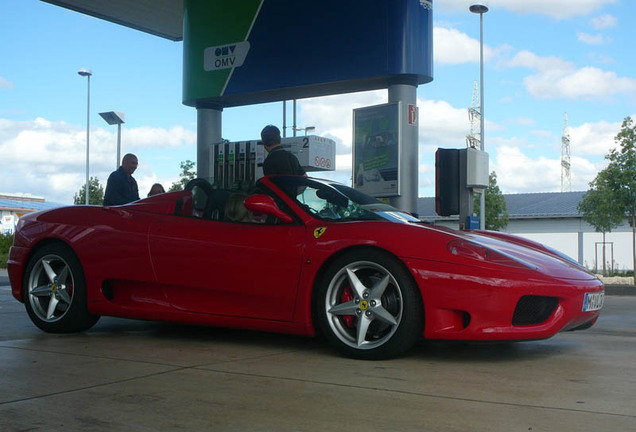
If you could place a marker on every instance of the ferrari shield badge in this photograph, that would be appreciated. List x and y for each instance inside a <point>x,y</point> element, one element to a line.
<point>319,231</point>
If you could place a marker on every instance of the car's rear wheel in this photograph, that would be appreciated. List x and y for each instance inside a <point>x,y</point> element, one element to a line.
<point>55,291</point>
<point>368,306</point>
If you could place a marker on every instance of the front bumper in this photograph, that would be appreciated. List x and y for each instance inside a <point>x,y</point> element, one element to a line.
<point>15,268</point>
<point>486,307</point>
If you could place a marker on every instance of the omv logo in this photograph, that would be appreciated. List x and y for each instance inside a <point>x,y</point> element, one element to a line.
<point>225,56</point>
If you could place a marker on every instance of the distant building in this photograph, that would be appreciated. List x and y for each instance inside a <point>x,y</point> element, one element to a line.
<point>12,207</point>
<point>553,219</point>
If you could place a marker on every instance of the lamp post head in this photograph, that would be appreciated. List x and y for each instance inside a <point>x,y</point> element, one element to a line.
<point>113,117</point>
<point>306,129</point>
<point>85,72</point>
<point>478,9</point>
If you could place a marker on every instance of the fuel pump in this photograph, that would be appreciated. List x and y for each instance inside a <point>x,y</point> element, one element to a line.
<point>237,165</point>
<point>242,162</point>
<point>230,182</point>
<point>217,153</point>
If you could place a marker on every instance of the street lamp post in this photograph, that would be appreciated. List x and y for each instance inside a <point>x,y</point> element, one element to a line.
<point>294,119</point>
<point>306,129</point>
<point>481,10</point>
<point>115,117</point>
<point>87,73</point>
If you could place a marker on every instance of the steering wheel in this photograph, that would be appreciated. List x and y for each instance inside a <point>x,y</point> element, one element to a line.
<point>203,183</point>
<point>205,187</point>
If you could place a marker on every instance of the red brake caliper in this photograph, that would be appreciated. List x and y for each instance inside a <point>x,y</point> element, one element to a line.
<point>346,296</point>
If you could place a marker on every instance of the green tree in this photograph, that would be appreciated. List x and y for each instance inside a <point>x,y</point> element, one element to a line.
<point>622,165</point>
<point>598,205</point>
<point>188,172</point>
<point>95,194</point>
<point>496,212</point>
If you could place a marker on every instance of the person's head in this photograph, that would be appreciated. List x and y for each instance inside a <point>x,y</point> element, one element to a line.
<point>129,163</point>
<point>270,136</point>
<point>235,209</point>
<point>156,189</point>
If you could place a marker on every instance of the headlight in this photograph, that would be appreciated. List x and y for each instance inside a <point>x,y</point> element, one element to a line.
<point>475,251</point>
<point>566,258</point>
<point>20,224</point>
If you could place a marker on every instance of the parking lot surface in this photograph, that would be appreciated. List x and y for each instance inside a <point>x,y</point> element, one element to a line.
<point>126,375</point>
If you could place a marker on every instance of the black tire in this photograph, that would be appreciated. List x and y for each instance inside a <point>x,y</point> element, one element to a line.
<point>368,306</point>
<point>55,291</point>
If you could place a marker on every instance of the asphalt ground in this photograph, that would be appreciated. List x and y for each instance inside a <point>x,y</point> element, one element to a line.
<point>126,375</point>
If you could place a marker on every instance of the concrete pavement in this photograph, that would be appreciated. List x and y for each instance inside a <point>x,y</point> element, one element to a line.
<point>126,375</point>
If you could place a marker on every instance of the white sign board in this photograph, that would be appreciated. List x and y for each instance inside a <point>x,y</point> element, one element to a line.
<point>314,153</point>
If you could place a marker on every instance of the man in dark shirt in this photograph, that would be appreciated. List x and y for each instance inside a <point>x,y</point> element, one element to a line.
<point>121,187</point>
<point>278,160</point>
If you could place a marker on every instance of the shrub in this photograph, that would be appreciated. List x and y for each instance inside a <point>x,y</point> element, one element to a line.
<point>6,240</point>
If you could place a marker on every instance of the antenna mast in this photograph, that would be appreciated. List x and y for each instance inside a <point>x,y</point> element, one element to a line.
<point>474,115</point>
<point>566,179</point>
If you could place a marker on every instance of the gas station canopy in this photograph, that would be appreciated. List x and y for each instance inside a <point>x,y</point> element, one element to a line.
<point>162,18</point>
<point>369,45</point>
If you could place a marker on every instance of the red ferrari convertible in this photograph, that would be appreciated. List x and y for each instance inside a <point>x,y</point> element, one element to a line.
<point>297,255</point>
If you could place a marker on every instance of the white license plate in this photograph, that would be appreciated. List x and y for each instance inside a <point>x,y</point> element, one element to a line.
<point>593,301</point>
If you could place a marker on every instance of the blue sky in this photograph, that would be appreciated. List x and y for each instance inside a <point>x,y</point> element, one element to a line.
<point>543,59</point>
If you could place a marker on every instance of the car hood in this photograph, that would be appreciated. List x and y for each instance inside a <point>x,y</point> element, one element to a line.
<point>523,254</point>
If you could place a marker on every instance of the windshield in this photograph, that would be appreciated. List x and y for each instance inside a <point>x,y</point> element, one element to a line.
<point>337,202</point>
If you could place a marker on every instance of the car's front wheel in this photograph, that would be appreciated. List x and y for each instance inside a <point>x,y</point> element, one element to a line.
<point>368,306</point>
<point>55,291</point>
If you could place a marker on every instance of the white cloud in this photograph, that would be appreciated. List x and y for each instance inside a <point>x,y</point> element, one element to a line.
<point>557,9</point>
<point>604,21</point>
<point>583,171</point>
<point>518,173</point>
<point>524,121</point>
<point>556,78</point>
<point>543,134</point>
<point>601,58</point>
<point>593,139</point>
<point>143,137</point>
<point>442,125</point>
<point>4,83</point>
<point>585,83</point>
<point>454,47</point>
<point>530,60</point>
<point>597,39</point>
<point>48,159</point>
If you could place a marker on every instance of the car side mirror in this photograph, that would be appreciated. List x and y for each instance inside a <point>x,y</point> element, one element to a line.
<point>265,204</point>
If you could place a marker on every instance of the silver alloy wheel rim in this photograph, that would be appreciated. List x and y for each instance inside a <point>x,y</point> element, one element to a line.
<point>50,288</point>
<point>377,305</point>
